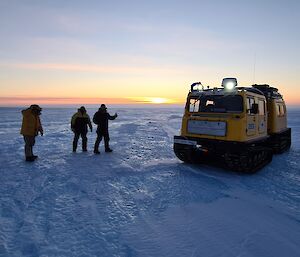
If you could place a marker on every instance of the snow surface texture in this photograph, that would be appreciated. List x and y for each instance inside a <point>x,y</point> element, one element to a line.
<point>140,200</point>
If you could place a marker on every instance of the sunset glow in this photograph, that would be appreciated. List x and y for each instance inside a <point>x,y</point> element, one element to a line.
<point>154,100</point>
<point>108,52</point>
<point>159,100</point>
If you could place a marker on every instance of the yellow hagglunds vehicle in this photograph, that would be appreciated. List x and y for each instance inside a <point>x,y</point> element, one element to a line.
<point>238,127</point>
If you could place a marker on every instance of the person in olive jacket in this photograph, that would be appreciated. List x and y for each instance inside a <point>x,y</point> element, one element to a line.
<point>79,125</point>
<point>101,118</point>
<point>31,126</point>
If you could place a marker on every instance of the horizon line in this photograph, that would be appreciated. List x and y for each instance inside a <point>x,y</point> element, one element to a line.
<point>43,100</point>
<point>137,104</point>
<point>18,101</point>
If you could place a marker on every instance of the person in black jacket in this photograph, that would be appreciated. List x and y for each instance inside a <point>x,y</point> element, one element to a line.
<point>101,118</point>
<point>79,123</point>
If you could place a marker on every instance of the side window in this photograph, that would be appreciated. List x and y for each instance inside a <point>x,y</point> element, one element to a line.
<point>261,107</point>
<point>194,105</point>
<point>278,109</point>
<point>248,104</point>
<point>250,101</point>
<point>282,110</point>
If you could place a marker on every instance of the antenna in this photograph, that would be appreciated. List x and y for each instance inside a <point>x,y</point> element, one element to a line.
<point>254,66</point>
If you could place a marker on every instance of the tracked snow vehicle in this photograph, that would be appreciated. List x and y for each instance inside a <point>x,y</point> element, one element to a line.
<point>238,127</point>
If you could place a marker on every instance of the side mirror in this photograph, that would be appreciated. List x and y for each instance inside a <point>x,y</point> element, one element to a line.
<point>254,109</point>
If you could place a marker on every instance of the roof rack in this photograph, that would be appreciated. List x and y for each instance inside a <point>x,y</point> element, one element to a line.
<point>251,89</point>
<point>268,91</point>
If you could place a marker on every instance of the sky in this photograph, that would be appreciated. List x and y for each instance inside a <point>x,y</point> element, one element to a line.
<point>66,52</point>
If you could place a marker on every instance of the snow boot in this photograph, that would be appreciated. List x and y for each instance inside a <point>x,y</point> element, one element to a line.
<point>96,152</point>
<point>108,150</point>
<point>74,146</point>
<point>30,159</point>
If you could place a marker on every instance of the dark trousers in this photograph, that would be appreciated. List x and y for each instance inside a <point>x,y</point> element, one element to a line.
<point>84,140</point>
<point>29,143</point>
<point>99,138</point>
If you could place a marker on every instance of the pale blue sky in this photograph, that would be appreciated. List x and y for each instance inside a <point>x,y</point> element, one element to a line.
<point>161,42</point>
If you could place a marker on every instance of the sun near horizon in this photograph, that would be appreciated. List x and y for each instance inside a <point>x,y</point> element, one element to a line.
<point>65,101</point>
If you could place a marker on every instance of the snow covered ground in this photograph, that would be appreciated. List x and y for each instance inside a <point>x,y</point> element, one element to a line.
<point>140,200</point>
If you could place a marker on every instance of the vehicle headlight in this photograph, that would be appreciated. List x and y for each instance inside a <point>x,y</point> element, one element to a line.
<point>229,83</point>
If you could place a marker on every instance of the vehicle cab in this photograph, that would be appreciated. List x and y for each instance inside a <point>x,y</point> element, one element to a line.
<point>228,113</point>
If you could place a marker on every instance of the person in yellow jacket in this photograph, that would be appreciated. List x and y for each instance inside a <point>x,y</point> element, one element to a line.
<point>80,121</point>
<point>31,126</point>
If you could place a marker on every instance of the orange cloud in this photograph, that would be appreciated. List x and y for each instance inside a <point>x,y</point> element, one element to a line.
<point>95,68</point>
<point>12,101</point>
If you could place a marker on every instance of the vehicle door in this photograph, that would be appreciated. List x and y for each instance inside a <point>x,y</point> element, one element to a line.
<point>262,116</point>
<point>251,118</point>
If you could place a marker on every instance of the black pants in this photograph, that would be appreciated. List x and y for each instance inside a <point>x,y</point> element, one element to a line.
<point>84,140</point>
<point>99,138</point>
<point>29,143</point>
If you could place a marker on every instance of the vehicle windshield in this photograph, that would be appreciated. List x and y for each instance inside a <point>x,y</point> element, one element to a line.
<point>216,104</point>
